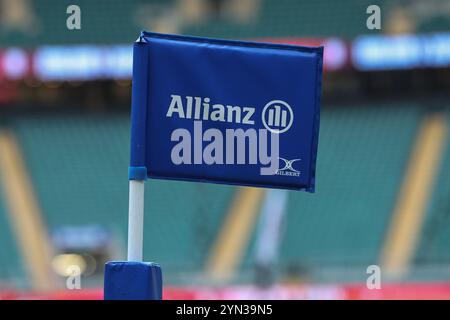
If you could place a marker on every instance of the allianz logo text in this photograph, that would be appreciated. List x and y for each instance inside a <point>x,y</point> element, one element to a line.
<point>246,145</point>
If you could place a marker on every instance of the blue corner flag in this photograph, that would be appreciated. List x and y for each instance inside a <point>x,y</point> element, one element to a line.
<point>222,111</point>
<point>219,111</point>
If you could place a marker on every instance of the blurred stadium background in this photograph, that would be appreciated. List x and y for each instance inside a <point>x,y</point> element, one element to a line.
<point>383,182</point>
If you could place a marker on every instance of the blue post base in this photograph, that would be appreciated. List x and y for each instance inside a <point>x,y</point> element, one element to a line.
<point>125,280</point>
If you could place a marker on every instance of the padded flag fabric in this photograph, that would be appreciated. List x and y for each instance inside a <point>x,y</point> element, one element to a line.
<point>223,111</point>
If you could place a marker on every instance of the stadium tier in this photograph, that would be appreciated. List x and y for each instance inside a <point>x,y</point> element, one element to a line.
<point>301,19</point>
<point>40,22</point>
<point>103,22</point>
<point>376,224</point>
<point>362,161</point>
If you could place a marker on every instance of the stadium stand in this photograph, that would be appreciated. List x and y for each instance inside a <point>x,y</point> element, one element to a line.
<point>40,22</point>
<point>78,162</point>
<point>300,19</point>
<point>345,229</point>
<point>43,22</point>
<point>103,22</point>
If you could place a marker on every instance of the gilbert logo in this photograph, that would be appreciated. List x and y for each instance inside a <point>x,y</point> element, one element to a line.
<point>287,169</point>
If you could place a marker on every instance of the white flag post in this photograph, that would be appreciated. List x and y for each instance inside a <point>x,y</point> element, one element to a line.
<point>136,221</point>
<point>134,279</point>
